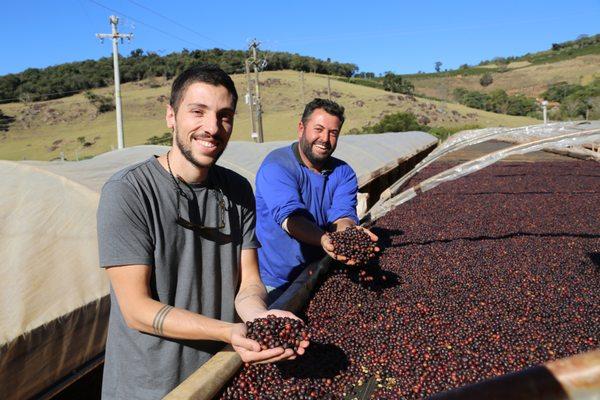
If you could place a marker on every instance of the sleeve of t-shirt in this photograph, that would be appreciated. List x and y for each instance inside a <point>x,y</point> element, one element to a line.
<point>344,197</point>
<point>249,239</point>
<point>279,191</point>
<point>123,234</point>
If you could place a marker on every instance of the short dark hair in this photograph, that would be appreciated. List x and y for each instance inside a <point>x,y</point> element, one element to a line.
<point>330,107</point>
<point>208,73</point>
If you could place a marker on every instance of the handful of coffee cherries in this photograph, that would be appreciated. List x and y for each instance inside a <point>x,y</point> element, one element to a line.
<point>354,244</point>
<point>272,332</point>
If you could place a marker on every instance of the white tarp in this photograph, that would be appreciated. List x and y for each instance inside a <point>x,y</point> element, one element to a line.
<point>367,154</point>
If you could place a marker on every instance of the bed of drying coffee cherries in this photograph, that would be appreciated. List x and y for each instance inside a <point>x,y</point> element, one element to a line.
<point>487,275</point>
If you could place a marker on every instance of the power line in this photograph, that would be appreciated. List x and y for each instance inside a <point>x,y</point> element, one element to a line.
<point>145,24</point>
<point>47,94</point>
<point>85,12</point>
<point>178,24</point>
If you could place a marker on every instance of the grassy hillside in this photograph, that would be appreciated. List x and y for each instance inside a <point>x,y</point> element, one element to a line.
<point>523,77</point>
<point>71,125</point>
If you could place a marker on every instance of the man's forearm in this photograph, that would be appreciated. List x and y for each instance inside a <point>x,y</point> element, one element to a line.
<point>304,230</point>
<point>159,319</point>
<point>251,301</point>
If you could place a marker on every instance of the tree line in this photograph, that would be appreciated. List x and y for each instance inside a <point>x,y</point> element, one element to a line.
<point>497,101</point>
<point>575,101</point>
<point>63,80</point>
<point>582,42</point>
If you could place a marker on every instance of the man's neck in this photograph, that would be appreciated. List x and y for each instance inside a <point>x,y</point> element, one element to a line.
<point>315,167</point>
<point>181,167</point>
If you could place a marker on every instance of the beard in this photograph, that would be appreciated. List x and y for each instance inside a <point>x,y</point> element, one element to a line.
<point>315,159</point>
<point>186,150</point>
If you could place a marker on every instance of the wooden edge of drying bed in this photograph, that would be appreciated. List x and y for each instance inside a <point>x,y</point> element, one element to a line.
<point>572,378</point>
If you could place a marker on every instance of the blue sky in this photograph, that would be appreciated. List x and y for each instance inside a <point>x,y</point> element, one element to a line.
<point>378,36</point>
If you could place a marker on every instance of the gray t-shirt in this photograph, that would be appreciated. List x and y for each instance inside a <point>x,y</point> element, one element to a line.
<point>198,272</point>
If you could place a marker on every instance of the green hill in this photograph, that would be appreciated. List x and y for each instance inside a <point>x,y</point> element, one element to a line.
<point>575,62</point>
<point>42,130</point>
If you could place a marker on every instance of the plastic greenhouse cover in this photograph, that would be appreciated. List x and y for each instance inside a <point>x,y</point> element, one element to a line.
<point>468,138</point>
<point>369,155</point>
<point>555,142</point>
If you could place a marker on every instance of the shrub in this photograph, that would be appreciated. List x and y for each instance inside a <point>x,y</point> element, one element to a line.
<point>165,140</point>
<point>398,122</point>
<point>486,79</point>
<point>475,99</point>
<point>559,91</point>
<point>102,103</point>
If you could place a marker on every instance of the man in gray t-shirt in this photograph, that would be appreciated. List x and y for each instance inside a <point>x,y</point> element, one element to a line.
<point>176,236</point>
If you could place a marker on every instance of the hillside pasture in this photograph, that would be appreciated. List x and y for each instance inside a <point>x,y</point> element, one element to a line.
<point>72,126</point>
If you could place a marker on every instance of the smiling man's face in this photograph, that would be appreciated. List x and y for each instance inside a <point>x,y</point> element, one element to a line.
<point>203,123</point>
<point>318,137</point>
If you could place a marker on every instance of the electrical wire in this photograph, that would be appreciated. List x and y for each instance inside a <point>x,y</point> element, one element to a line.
<point>146,24</point>
<point>179,24</point>
<point>46,94</point>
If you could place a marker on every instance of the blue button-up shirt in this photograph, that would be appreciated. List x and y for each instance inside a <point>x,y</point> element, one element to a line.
<point>285,186</point>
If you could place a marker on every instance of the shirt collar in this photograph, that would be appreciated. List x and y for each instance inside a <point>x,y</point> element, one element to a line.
<point>327,168</point>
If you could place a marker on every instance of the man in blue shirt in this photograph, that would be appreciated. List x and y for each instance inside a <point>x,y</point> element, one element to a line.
<point>301,193</point>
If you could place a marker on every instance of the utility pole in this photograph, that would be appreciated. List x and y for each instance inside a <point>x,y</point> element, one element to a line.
<point>545,111</point>
<point>302,87</point>
<point>257,65</point>
<point>328,87</point>
<point>115,36</point>
<point>250,100</point>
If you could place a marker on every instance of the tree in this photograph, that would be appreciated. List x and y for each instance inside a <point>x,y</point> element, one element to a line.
<point>559,91</point>
<point>398,122</point>
<point>475,99</point>
<point>520,104</point>
<point>395,83</point>
<point>486,79</point>
<point>438,66</point>
<point>498,102</point>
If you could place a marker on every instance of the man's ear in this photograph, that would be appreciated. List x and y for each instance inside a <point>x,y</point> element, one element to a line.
<point>170,117</point>
<point>300,129</point>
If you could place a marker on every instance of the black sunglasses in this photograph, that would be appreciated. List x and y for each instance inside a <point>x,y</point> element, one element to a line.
<point>190,225</point>
<point>184,222</point>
